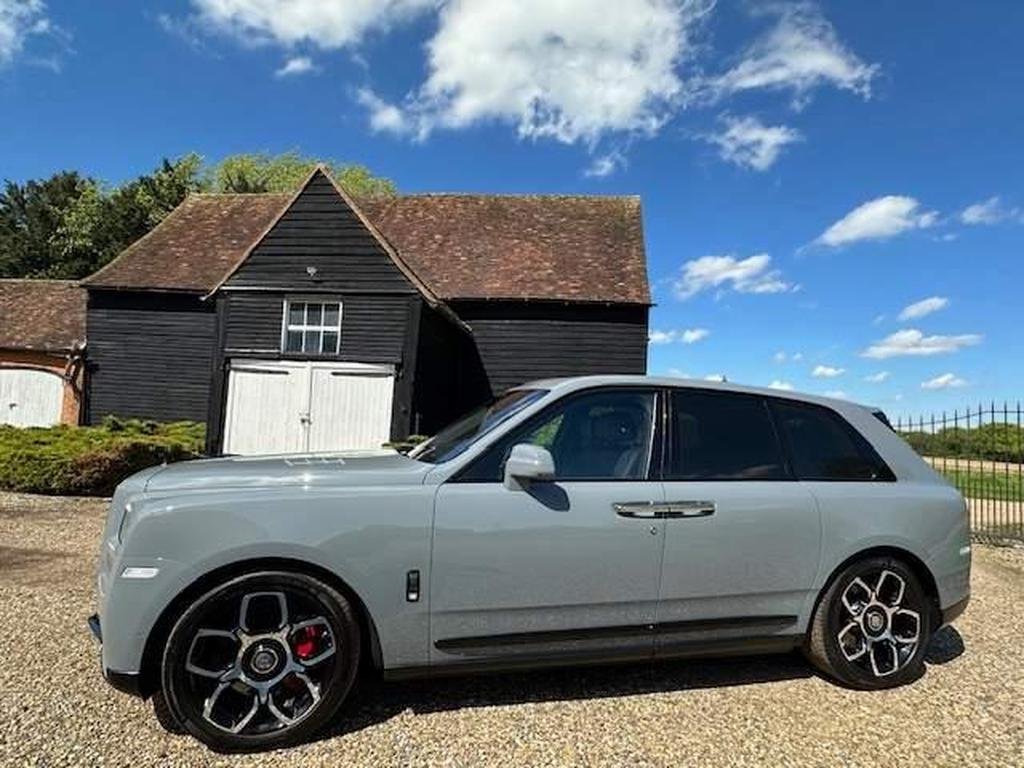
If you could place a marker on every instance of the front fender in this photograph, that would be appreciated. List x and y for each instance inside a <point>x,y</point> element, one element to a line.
<point>368,538</point>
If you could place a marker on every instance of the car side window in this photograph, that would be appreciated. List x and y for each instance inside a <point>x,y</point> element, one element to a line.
<point>599,435</point>
<point>723,436</point>
<point>823,446</point>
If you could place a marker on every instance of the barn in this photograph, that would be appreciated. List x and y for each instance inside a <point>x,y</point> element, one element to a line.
<point>42,339</point>
<point>315,321</point>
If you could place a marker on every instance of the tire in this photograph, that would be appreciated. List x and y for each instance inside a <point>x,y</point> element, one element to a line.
<point>167,719</point>
<point>868,632</point>
<point>261,661</point>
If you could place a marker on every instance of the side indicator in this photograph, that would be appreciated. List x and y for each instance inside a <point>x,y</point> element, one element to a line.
<point>139,572</point>
<point>412,586</point>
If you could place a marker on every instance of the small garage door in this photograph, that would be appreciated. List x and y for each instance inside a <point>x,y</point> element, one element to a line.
<point>30,398</point>
<point>293,406</point>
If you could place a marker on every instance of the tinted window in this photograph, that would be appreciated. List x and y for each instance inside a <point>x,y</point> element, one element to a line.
<point>719,436</point>
<point>458,436</point>
<point>604,435</point>
<point>823,446</point>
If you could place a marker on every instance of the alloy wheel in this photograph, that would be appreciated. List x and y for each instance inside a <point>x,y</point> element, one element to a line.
<point>258,662</point>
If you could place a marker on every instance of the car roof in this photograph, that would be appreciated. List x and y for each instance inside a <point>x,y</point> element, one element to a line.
<point>569,384</point>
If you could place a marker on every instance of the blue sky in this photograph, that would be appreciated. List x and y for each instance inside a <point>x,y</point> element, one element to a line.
<point>809,172</point>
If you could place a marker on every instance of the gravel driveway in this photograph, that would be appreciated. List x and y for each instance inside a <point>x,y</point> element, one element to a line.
<point>967,710</point>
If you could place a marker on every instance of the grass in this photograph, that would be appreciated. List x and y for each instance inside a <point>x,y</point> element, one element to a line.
<point>987,485</point>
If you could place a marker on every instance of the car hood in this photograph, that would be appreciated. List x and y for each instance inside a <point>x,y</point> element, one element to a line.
<point>317,469</point>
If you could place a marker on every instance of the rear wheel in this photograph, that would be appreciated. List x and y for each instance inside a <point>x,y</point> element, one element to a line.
<point>262,661</point>
<point>872,625</point>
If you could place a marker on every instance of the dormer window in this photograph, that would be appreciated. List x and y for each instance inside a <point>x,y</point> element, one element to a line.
<point>311,326</point>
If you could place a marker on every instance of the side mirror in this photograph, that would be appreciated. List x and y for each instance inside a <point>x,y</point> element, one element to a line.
<point>527,463</point>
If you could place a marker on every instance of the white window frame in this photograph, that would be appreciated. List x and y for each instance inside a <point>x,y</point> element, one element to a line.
<point>287,327</point>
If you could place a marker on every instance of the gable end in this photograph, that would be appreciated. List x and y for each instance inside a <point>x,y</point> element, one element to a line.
<point>320,242</point>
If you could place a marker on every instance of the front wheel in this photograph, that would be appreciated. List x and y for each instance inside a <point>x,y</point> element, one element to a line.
<point>872,625</point>
<point>261,661</point>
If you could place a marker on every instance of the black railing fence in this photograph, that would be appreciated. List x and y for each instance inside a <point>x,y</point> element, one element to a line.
<point>981,450</point>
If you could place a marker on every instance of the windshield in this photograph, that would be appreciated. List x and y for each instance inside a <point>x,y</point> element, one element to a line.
<point>457,437</point>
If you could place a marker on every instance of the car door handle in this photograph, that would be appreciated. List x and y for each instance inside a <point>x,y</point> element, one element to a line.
<point>644,509</point>
<point>689,508</point>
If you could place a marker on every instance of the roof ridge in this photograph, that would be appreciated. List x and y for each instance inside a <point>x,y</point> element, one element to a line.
<point>522,195</point>
<point>40,280</point>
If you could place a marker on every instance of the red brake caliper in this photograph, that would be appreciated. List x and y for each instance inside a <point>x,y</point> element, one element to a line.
<point>306,642</point>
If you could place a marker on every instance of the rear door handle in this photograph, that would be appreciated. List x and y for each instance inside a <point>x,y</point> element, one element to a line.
<point>689,508</point>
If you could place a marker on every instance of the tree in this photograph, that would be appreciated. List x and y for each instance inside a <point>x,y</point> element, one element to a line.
<point>258,172</point>
<point>31,215</point>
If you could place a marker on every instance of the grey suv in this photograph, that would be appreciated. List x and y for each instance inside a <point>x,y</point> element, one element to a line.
<point>581,520</point>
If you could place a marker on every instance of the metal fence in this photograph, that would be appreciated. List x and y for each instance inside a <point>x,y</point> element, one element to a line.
<point>981,450</point>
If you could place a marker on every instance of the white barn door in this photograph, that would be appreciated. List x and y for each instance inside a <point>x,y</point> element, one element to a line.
<point>350,407</point>
<point>298,406</point>
<point>30,398</point>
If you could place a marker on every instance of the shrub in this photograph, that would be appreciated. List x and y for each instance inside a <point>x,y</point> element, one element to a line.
<point>91,461</point>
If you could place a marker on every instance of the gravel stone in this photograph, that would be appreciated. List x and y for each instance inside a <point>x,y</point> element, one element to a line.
<point>968,709</point>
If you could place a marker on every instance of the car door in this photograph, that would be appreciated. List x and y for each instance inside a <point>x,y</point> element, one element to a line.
<point>743,537</point>
<point>553,570</point>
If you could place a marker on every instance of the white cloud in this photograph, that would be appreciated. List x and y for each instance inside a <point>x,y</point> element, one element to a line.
<point>749,143</point>
<point>800,52</point>
<point>923,307</point>
<point>783,385</point>
<point>945,381</point>
<point>384,117</point>
<point>780,357</point>
<point>837,394</point>
<point>827,372</point>
<point>328,25</point>
<point>751,275</point>
<point>686,336</point>
<point>991,211</point>
<point>605,165</point>
<point>297,65</point>
<point>913,343</point>
<point>20,19</point>
<point>719,377</point>
<point>878,219</point>
<point>573,70</point>
<point>877,378</point>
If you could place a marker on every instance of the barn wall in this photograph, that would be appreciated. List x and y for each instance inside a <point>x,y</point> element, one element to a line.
<point>523,341</point>
<point>149,355</point>
<point>322,232</point>
<point>373,327</point>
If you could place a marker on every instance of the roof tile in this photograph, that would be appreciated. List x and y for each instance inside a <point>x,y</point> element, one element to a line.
<point>42,315</point>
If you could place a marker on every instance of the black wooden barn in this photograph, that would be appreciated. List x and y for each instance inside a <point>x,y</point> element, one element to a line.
<point>316,322</point>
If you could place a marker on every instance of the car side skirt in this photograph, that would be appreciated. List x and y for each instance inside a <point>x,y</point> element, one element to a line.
<point>538,650</point>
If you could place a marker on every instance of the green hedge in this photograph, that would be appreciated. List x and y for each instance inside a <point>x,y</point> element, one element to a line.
<point>91,461</point>
<point>993,442</point>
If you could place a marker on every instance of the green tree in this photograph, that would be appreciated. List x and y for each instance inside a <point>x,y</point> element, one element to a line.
<point>259,172</point>
<point>31,215</point>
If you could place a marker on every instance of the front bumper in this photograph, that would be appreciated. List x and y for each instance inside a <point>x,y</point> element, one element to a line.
<point>126,682</point>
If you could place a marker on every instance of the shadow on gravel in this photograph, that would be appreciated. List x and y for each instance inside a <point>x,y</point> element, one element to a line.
<point>947,644</point>
<point>376,702</point>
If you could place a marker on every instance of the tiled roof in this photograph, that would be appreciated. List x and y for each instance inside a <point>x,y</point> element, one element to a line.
<point>42,315</point>
<point>194,246</point>
<point>544,247</point>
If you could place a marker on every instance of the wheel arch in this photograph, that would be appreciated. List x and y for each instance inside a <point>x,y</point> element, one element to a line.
<point>913,561</point>
<point>149,672</point>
